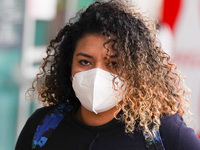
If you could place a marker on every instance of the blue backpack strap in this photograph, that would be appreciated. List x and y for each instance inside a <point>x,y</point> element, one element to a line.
<point>155,143</point>
<point>48,125</point>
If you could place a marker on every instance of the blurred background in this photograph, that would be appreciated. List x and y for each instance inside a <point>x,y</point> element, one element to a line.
<point>27,26</point>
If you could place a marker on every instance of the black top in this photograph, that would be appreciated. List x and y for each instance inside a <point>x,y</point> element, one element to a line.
<point>74,135</point>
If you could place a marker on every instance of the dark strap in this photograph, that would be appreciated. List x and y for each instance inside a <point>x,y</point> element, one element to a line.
<point>48,125</point>
<point>155,143</point>
<point>53,118</point>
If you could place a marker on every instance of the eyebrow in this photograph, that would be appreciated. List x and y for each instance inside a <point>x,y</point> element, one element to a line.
<point>88,56</point>
<point>85,55</point>
<point>113,56</point>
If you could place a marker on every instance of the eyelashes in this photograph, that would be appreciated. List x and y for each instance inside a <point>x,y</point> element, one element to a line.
<point>114,63</point>
<point>85,62</point>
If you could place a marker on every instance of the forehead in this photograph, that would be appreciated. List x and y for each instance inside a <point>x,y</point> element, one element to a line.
<point>93,43</point>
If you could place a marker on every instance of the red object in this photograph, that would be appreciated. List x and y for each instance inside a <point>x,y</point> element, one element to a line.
<point>171,9</point>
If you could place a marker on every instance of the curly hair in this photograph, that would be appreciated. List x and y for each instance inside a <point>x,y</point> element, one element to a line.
<point>153,85</point>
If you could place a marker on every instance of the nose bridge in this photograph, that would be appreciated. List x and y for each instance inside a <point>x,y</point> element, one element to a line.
<point>101,65</point>
<point>100,61</point>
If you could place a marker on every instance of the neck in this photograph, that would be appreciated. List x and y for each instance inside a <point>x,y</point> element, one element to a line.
<point>90,118</point>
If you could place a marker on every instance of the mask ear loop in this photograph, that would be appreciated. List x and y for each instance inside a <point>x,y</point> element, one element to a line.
<point>71,78</point>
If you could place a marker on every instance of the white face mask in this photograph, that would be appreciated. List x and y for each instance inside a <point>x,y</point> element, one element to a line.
<point>95,90</point>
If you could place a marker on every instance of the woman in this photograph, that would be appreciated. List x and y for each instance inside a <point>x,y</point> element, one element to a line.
<point>110,85</point>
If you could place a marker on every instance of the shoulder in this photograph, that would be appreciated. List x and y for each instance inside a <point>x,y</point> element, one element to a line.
<point>25,138</point>
<point>171,122</point>
<point>39,114</point>
<point>176,135</point>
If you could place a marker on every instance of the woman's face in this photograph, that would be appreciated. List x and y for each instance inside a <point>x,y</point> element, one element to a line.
<point>90,53</point>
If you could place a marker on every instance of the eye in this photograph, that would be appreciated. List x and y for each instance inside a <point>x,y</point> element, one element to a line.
<point>112,64</point>
<point>85,62</point>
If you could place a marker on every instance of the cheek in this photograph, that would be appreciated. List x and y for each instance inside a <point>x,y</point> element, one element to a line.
<point>76,67</point>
